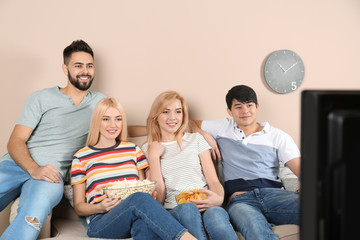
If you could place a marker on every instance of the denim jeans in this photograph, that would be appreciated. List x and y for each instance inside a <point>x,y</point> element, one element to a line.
<point>217,224</point>
<point>252,213</point>
<point>215,220</point>
<point>139,216</point>
<point>37,199</point>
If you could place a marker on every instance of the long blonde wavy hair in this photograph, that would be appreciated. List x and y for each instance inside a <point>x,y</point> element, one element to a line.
<point>99,111</point>
<point>158,106</point>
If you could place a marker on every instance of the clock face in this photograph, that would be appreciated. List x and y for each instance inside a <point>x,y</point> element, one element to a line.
<point>284,71</point>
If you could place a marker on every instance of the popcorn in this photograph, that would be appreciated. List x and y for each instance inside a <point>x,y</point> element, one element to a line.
<point>123,189</point>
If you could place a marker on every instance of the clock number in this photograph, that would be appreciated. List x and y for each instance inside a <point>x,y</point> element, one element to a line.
<point>293,86</point>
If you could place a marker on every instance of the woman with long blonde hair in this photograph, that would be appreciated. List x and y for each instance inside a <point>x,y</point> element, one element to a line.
<point>97,117</point>
<point>108,158</point>
<point>152,125</point>
<point>181,161</point>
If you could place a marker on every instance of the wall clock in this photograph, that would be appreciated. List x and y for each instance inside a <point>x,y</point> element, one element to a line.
<point>284,71</point>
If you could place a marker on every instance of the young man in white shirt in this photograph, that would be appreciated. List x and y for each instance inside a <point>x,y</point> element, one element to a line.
<point>251,152</point>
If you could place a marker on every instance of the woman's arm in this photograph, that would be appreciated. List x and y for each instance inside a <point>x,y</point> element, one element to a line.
<point>216,190</point>
<point>82,208</point>
<point>141,174</point>
<point>155,151</point>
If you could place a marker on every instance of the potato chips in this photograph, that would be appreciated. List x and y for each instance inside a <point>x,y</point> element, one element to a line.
<point>194,194</point>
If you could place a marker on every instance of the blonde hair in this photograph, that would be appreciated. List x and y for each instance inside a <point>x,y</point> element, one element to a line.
<point>99,111</point>
<point>158,106</point>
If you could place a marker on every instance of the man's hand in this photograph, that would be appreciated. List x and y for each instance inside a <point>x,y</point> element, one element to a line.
<point>47,173</point>
<point>195,126</point>
<point>215,152</point>
<point>20,153</point>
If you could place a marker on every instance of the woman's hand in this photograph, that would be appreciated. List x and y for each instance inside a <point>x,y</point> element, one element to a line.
<point>109,203</point>
<point>212,200</point>
<point>154,194</point>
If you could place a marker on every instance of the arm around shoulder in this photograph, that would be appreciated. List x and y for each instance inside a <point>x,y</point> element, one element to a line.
<point>195,126</point>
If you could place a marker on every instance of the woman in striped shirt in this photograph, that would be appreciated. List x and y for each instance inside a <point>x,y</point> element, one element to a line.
<point>107,158</point>
<point>181,161</point>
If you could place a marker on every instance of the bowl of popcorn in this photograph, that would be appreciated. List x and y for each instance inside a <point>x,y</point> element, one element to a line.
<point>123,189</point>
<point>194,194</point>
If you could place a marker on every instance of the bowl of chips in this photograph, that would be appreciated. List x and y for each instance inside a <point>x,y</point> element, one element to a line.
<point>123,189</point>
<point>194,194</point>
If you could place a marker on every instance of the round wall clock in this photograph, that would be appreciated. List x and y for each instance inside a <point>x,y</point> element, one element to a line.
<point>284,71</point>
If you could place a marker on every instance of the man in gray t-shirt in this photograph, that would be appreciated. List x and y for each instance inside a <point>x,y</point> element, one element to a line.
<point>52,127</point>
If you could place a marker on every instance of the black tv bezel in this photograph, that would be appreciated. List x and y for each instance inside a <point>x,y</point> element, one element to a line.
<point>316,105</point>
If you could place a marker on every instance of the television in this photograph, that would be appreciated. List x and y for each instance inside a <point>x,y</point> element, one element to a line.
<point>330,164</point>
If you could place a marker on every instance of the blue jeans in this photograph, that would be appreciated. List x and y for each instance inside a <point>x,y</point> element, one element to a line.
<point>37,199</point>
<point>252,213</point>
<point>215,220</point>
<point>139,216</point>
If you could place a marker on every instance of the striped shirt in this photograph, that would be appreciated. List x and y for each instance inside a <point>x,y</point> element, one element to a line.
<point>182,170</point>
<point>100,167</point>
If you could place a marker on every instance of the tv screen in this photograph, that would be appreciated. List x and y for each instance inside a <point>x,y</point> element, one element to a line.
<point>330,171</point>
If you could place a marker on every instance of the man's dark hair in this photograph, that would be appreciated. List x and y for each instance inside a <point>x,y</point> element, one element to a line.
<point>241,93</point>
<point>76,46</point>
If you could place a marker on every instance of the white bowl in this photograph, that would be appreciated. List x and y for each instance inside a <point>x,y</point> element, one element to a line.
<point>116,192</point>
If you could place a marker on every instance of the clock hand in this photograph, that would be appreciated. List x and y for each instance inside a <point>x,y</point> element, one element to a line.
<point>291,67</point>
<point>281,67</point>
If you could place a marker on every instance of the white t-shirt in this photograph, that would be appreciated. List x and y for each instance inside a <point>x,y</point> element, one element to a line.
<point>182,170</point>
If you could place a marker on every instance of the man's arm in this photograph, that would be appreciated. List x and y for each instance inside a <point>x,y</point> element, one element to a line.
<point>294,165</point>
<point>19,152</point>
<point>195,126</point>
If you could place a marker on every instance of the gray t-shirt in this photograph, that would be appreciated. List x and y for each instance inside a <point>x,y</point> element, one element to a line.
<point>59,127</point>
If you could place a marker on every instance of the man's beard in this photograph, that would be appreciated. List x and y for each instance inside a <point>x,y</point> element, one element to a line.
<point>79,85</point>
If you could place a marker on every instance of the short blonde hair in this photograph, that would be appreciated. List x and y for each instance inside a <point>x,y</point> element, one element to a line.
<point>158,106</point>
<point>99,111</point>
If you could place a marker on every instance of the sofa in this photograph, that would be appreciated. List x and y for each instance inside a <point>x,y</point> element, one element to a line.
<point>64,224</point>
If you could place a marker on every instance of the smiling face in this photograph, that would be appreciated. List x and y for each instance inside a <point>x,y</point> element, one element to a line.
<point>244,114</point>
<point>170,120</point>
<point>110,127</point>
<point>80,70</point>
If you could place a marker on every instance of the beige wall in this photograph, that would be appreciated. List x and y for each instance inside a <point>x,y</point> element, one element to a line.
<point>199,48</point>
